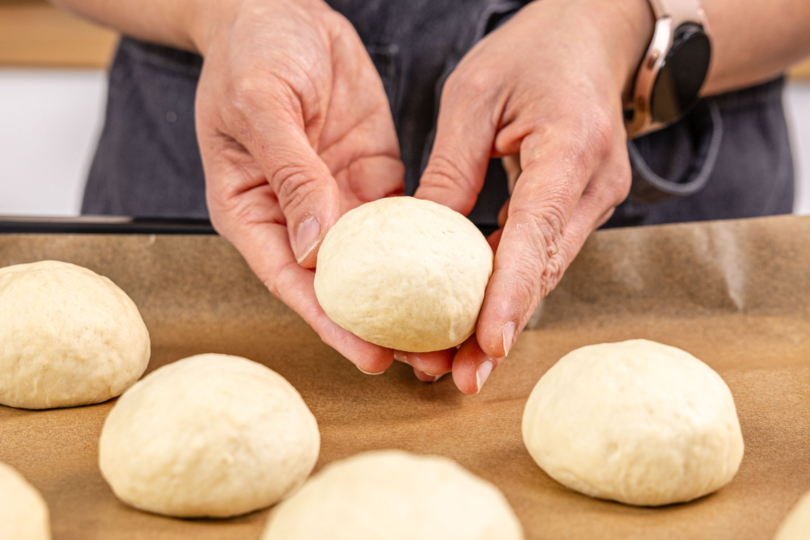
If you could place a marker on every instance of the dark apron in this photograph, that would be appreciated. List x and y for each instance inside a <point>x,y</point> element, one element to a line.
<point>729,158</point>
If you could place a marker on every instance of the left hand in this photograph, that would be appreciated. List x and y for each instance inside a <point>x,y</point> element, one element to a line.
<point>546,86</point>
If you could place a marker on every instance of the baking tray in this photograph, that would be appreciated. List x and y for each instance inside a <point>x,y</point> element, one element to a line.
<point>735,294</point>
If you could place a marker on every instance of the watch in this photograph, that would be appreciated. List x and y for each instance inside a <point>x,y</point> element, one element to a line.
<point>670,76</point>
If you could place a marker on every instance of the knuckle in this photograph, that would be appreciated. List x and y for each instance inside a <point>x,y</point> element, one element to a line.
<point>601,133</point>
<point>293,184</point>
<point>271,281</point>
<point>621,185</point>
<point>452,86</point>
<point>446,173</point>
<point>552,274</point>
<point>544,229</point>
<point>241,91</point>
<point>614,187</point>
<point>245,212</point>
<point>589,140</point>
<point>467,83</point>
<point>340,24</point>
<point>550,226</point>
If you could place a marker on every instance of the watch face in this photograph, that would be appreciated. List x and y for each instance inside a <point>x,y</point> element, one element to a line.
<point>684,69</point>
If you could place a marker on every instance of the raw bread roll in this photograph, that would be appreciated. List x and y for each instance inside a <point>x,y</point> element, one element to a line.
<point>69,337</point>
<point>796,525</point>
<point>404,273</point>
<point>396,496</point>
<point>23,512</point>
<point>637,422</point>
<point>208,436</point>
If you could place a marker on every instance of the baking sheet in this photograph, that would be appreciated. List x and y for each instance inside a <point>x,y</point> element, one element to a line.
<point>735,294</point>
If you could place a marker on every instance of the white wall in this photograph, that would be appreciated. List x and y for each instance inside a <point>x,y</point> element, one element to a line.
<point>798,111</point>
<point>50,121</point>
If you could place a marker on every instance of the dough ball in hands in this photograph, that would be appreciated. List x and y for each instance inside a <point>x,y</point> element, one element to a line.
<point>637,422</point>
<point>405,274</point>
<point>23,512</point>
<point>796,525</point>
<point>67,337</point>
<point>208,436</point>
<point>396,496</point>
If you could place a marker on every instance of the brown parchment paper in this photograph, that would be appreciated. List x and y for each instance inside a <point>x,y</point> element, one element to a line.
<point>736,294</point>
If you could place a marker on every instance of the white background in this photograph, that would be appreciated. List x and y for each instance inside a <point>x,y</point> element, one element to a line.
<point>50,121</point>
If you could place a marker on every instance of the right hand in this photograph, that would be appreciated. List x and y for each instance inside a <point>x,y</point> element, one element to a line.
<point>294,130</point>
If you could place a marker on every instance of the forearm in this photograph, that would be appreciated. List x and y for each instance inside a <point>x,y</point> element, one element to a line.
<point>170,23</point>
<point>754,40</point>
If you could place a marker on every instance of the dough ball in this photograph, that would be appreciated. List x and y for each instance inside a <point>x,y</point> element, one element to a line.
<point>396,496</point>
<point>23,512</point>
<point>67,337</point>
<point>796,525</point>
<point>404,273</point>
<point>637,422</point>
<point>208,436</point>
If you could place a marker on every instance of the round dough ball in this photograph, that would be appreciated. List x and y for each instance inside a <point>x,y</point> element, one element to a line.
<point>637,422</point>
<point>796,525</point>
<point>396,496</point>
<point>23,512</point>
<point>68,337</point>
<point>405,274</point>
<point>208,436</point>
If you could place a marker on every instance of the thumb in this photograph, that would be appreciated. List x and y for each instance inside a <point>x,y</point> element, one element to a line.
<point>304,186</point>
<point>464,138</point>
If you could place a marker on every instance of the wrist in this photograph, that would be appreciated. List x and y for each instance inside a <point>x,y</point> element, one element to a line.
<point>206,18</point>
<point>632,23</point>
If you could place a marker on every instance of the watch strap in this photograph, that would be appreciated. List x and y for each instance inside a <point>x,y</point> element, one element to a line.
<point>680,11</point>
<point>650,188</point>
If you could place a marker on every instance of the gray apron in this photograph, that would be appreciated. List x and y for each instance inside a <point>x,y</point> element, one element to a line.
<point>729,158</point>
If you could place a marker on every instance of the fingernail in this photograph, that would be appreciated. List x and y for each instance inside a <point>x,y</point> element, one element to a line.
<point>508,337</point>
<point>436,378</point>
<point>482,373</point>
<point>369,373</point>
<point>306,238</point>
<point>400,356</point>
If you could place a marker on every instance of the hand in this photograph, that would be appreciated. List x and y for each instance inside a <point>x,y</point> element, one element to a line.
<point>294,130</point>
<point>546,86</point>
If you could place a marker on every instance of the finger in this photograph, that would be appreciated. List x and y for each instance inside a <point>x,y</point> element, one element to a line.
<point>555,172</point>
<point>253,222</point>
<point>530,237</point>
<point>306,191</point>
<point>270,126</point>
<point>494,240</point>
<point>591,212</point>
<point>472,367</point>
<point>511,165</point>
<point>375,177</point>
<point>503,214</point>
<point>545,230</point>
<point>294,285</point>
<point>432,363</point>
<point>424,377</point>
<point>465,132</point>
<point>358,141</point>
